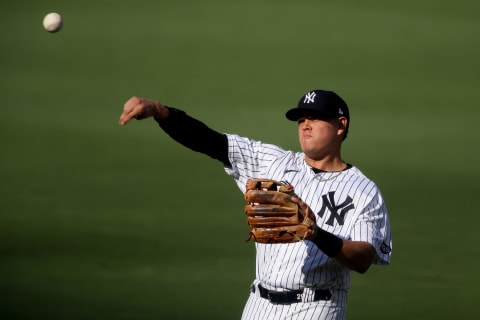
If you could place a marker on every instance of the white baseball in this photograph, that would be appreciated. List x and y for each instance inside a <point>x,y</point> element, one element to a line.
<point>53,22</point>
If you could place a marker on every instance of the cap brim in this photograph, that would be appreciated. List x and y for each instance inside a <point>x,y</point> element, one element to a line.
<point>297,113</point>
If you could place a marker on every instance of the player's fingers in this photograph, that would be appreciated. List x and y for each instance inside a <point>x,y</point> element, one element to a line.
<point>132,108</point>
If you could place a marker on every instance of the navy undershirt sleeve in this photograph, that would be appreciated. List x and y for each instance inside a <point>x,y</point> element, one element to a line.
<point>195,135</point>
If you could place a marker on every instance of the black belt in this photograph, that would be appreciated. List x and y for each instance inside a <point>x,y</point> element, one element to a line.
<point>291,296</point>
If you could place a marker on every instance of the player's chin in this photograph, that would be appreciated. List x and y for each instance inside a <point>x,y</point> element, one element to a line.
<point>307,144</point>
<point>312,151</point>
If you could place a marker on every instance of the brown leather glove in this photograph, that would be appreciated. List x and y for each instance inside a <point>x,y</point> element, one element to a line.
<point>272,215</point>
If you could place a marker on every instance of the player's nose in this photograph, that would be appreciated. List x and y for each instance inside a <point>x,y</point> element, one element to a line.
<point>305,124</point>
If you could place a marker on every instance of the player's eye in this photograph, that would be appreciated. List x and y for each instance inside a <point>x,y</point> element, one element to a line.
<point>310,118</point>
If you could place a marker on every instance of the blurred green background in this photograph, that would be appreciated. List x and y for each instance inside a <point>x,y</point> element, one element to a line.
<point>92,221</point>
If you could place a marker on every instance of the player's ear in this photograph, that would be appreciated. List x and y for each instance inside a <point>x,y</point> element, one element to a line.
<point>342,126</point>
<point>342,123</point>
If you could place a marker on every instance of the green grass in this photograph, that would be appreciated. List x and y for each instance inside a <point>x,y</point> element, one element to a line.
<point>92,221</point>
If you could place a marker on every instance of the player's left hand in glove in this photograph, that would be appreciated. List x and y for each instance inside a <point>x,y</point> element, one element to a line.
<point>276,214</point>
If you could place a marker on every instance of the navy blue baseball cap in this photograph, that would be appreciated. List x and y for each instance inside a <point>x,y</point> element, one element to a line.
<point>322,103</point>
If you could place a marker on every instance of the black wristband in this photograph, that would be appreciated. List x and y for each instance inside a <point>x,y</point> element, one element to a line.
<point>329,243</point>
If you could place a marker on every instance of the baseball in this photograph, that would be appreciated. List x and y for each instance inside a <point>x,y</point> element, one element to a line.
<point>53,22</point>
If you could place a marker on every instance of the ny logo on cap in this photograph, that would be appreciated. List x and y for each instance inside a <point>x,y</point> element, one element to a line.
<point>309,97</point>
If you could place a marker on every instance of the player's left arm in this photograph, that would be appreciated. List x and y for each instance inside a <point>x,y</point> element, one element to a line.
<point>355,255</point>
<point>372,242</point>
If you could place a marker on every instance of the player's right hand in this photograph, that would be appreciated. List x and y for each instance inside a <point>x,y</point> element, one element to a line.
<point>140,108</point>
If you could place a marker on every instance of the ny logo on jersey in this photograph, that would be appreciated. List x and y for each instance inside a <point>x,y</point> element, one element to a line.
<point>337,212</point>
<point>309,97</point>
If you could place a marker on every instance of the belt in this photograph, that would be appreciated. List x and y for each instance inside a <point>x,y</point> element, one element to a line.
<point>291,296</point>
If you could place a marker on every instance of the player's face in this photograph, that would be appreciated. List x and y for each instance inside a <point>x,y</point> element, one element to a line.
<point>319,137</point>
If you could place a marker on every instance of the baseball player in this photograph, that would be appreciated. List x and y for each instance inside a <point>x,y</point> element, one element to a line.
<point>307,279</point>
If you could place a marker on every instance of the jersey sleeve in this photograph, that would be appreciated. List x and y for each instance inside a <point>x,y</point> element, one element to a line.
<point>249,158</point>
<point>373,226</point>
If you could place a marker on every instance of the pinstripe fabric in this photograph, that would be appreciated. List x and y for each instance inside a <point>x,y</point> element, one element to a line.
<point>346,204</point>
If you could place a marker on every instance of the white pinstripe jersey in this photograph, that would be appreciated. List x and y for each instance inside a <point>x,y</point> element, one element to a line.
<point>346,204</point>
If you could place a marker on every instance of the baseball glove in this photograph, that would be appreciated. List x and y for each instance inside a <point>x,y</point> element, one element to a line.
<point>272,215</point>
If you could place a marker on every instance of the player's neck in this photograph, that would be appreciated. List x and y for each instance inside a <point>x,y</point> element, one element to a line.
<point>328,165</point>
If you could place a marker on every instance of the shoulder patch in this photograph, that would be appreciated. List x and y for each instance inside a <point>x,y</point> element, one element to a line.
<point>385,249</point>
